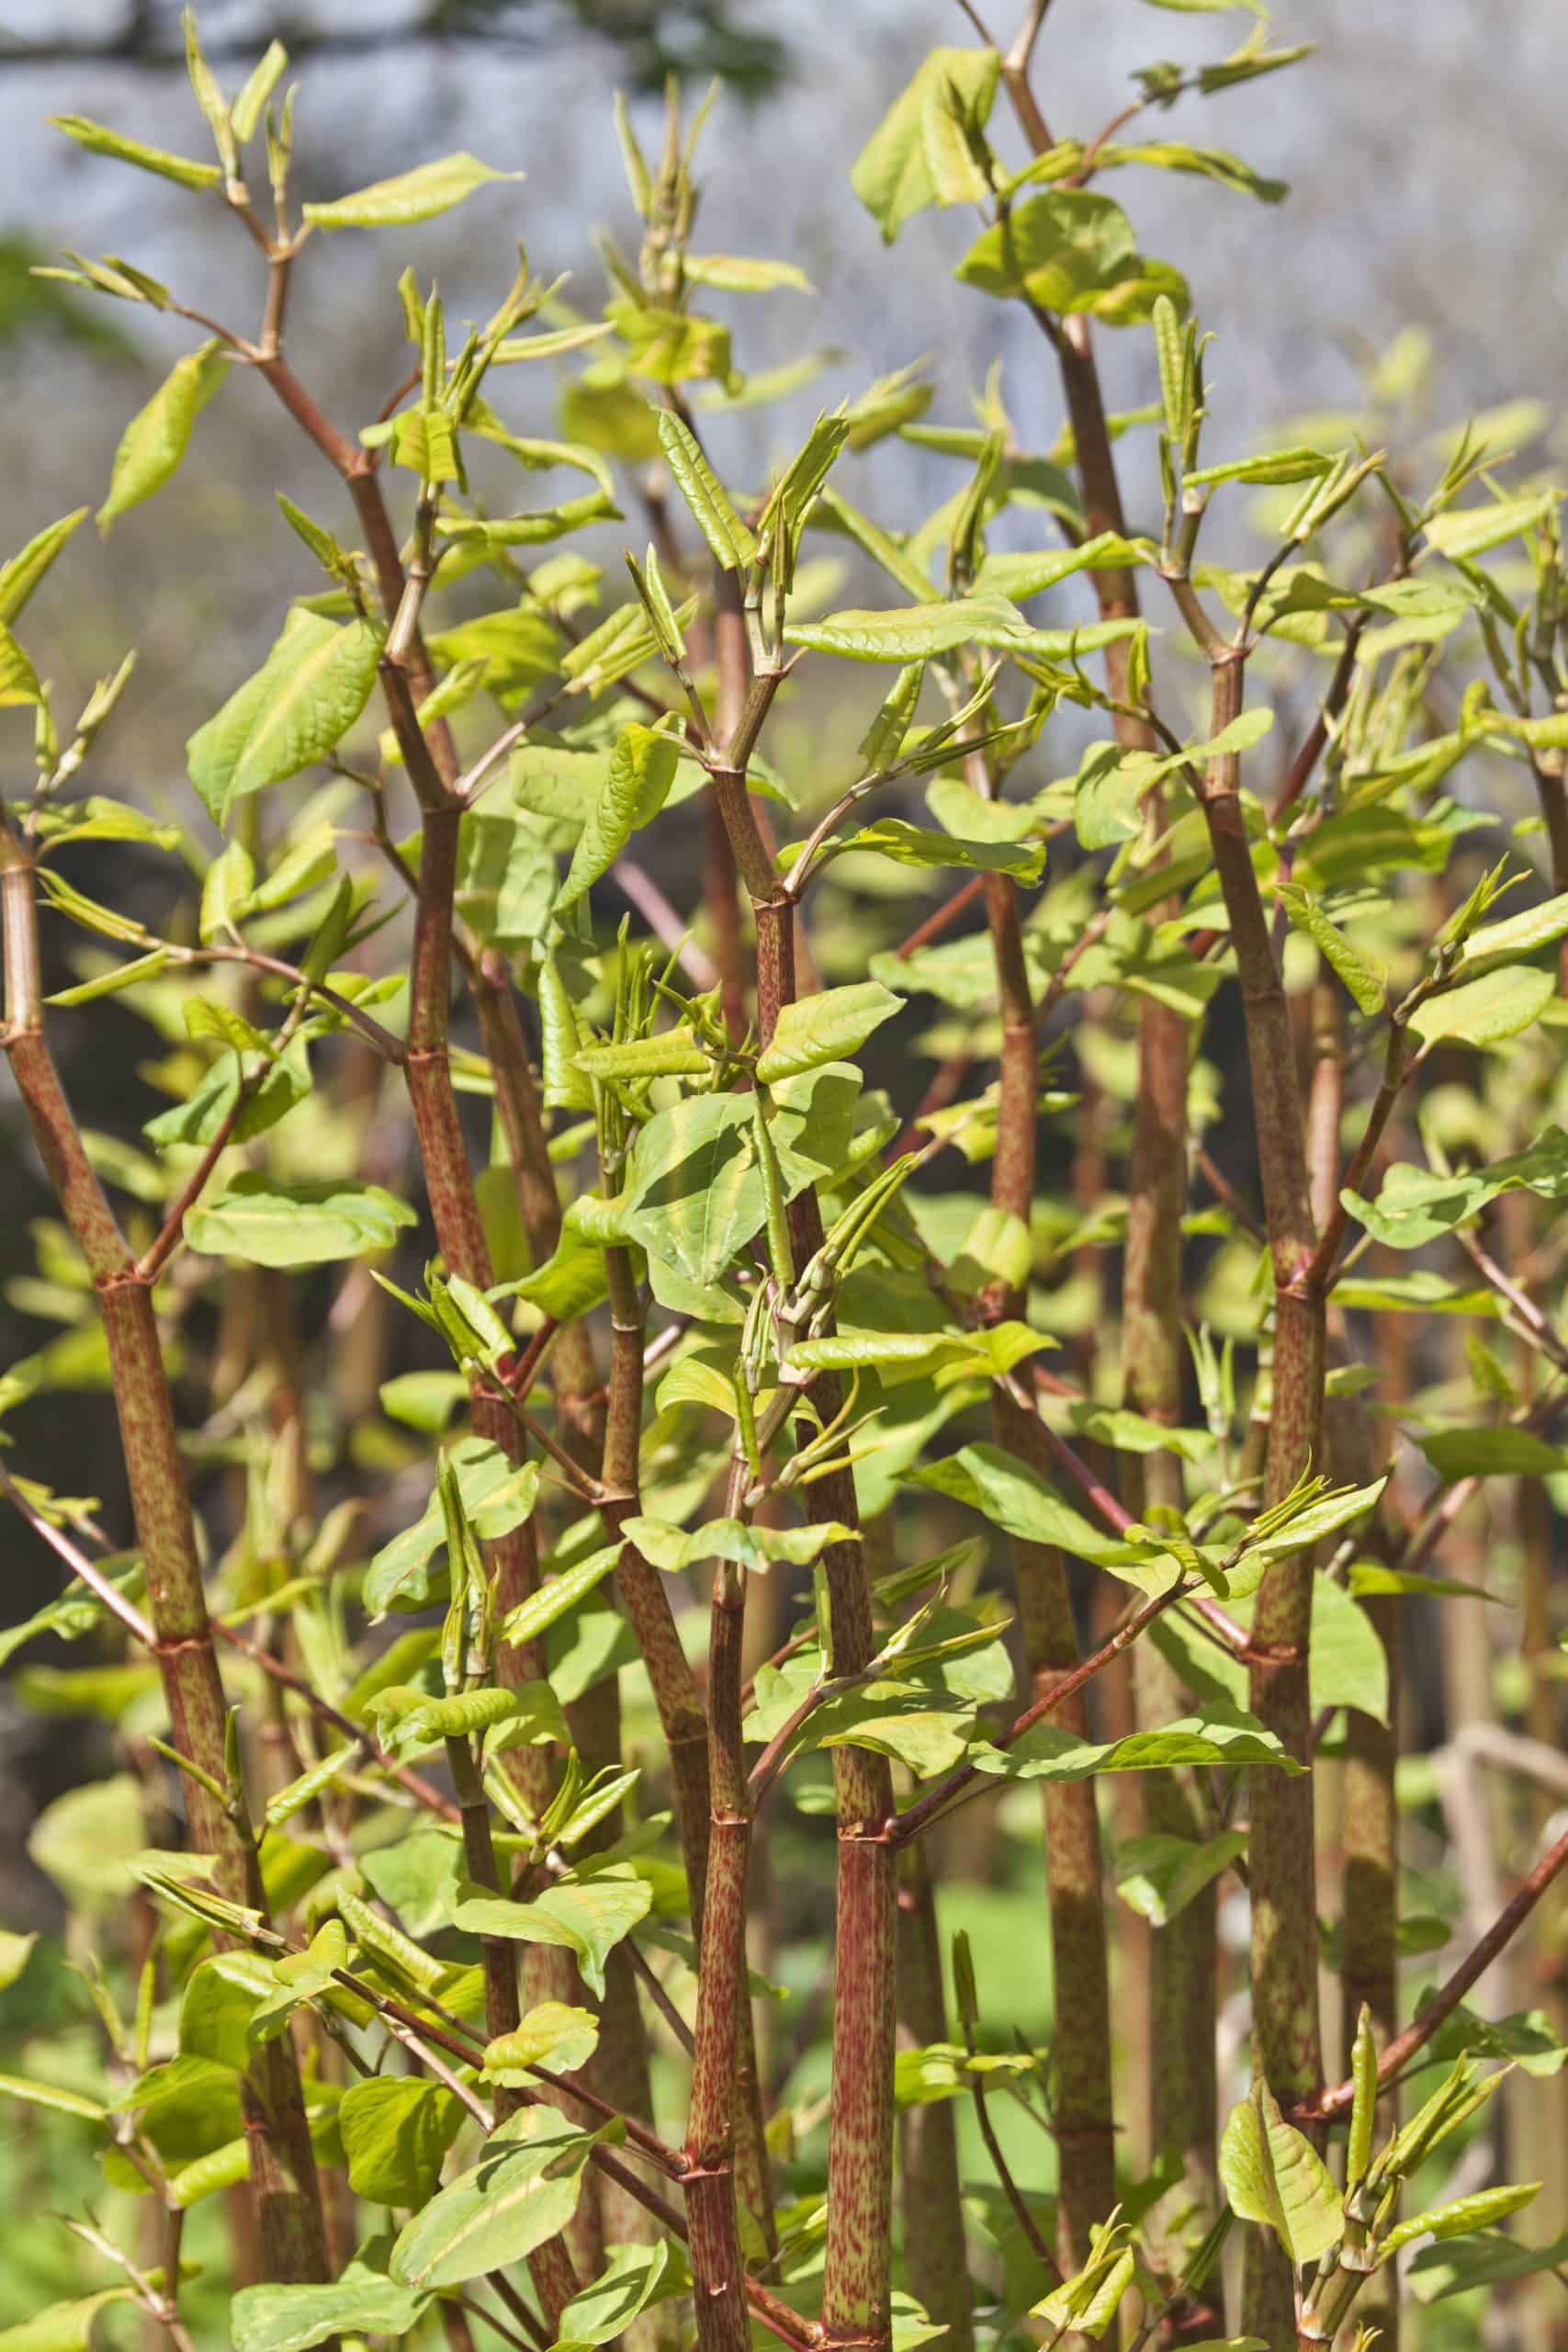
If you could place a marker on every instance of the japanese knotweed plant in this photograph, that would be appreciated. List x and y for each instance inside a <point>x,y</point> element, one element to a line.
<point>582,1430</point>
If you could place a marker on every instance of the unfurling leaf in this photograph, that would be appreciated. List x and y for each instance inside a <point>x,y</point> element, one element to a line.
<point>1273,2175</point>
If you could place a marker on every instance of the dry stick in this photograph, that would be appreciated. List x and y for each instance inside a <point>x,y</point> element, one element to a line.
<point>284,2188</point>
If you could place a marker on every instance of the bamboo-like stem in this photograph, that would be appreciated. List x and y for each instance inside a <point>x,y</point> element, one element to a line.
<point>1369,1910</point>
<point>285,2192</point>
<point>644,1595</point>
<point>550,2266</point>
<point>1182,2097</point>
<point>717,2268</point>
<point>618,2069</point>
<point>1074,1868</point>
<point>856,2276</point>
<point>1336,2100</point>
<point>935,2256</point>
<point>1282,1856</point>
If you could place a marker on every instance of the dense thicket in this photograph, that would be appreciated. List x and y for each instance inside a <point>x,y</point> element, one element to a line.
<point>780,1511</point>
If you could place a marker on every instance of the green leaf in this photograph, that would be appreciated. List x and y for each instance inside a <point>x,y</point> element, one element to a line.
<point>84,1841</point>
<point>219,1999</point>
<point>671,346</point>
<point>899,171</point>
<point>1515,934</point>
<point>18,678</point>
<point>198,1119</point>
<point>1015,1499</point>
<point>21,575</point>
<point>300,702</point>
<point>635,2276</point>
<point>158,436</point>
<point>1204,163</point>
<point>1158,1876</point>
<point>1490,1453</point>
<point>916,632</point>
<point>1469,531</point>
<point>642,769</point>
<point>589,1916</point>
<point>673,1053</point>
<point>15,1952</point>
<point>1489,1010</point>
<point>744,273</point>
<point>1223,1734</point>
<point>694,1190</point>
<point>558,1596</point>
<point>62,2327</point>
<point>99,141</point>
<point>410,1718</point>
<point>1021,575</point>
<point>64,2102</point>
<point>271,1223</point>
<point>1273,2175</point>
<point>918,845</point>
<point>1525,2040</point>
<point>396,2130</point>
<point>1483,2210</point>
<point>732,543</point>
<point>1415,1205</point>
<point>1361,977</point>
<point>257,88</point>
<point>362,2300</point>
<point>551,2033</point>
<point>1065,250</point>
<point>419,194</point>
<point>497,1495</point>
<point>1438,2272</point>
<point>1271,466</point>
<point>522,2190</point>
<point>674,1549</point>
<point>831,1026</point>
